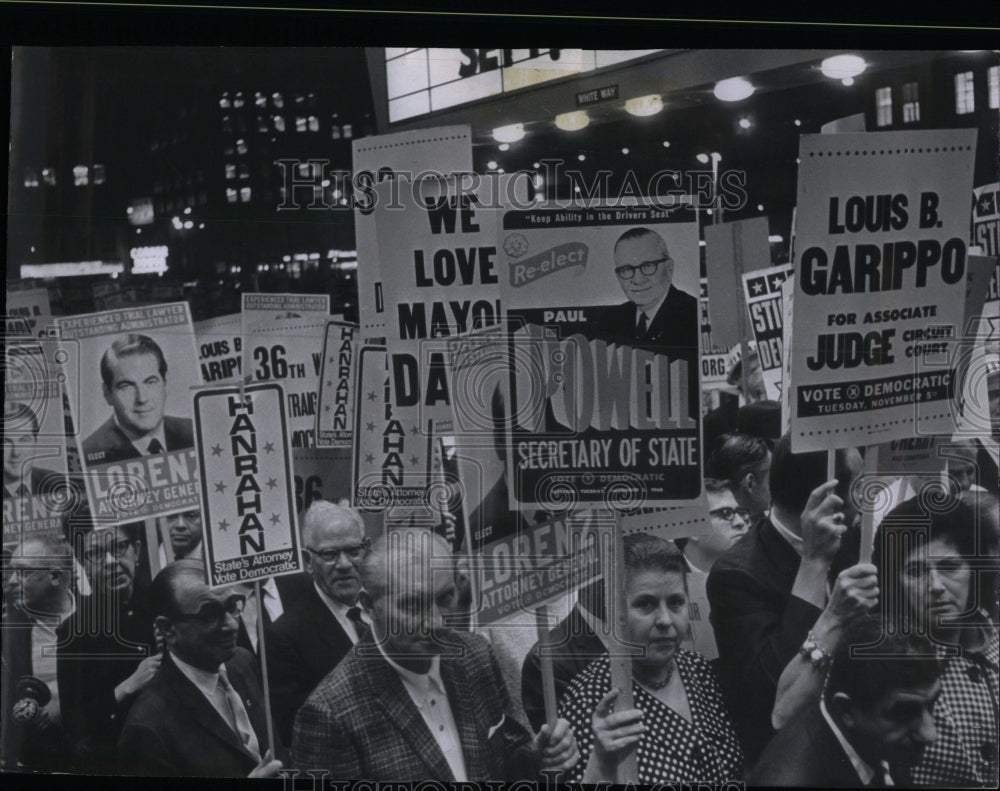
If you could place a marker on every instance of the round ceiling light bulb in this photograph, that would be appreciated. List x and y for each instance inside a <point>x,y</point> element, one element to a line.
<point>574,121</point>
<point>733,90</point>
<point>508,134</point>
<point>644,105</point>
<point>841,67</point>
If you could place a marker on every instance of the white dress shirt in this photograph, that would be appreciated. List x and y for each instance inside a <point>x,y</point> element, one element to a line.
<point>428,694</point>
<point>865,772</point>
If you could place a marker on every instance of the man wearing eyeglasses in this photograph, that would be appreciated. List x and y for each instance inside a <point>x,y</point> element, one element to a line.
<point>112,652</point>
<point>729,523</point>
<point>202,715</point>
<point>657,313</point>
<point>319,629</point>
<point>38,601</point>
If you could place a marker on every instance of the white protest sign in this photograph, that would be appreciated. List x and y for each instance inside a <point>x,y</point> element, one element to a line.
<point>880,284</point>
<point>220,344</point>
<point>27,313</point>
<point>986,218</point>
<point>335,410</point>
<point>289,351</point>
<point>245,459</point>
<point>605,394</point>
<point>134,368</point>
<point>762,291</point>
<point>445,150</point>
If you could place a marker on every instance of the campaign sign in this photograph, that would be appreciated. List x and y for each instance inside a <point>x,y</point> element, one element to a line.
<point>762,291</point>
<point>986,218</point>
<point>289,351</point>
<point>883,220</point>
<point>335,410</point>
<point>220,345</point>
<point>36,493</point>
<point>731,250</point>
<point>443,149</point>
<point>541,563</point>
<point>390,453</point>
<point>27,313</point>
<point>325,474</point>
<point>245,460</point>
<point>604,333</point>
<point>134,368</point>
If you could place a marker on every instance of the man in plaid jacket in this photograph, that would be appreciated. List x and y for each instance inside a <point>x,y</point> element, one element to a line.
<point>415,701</point>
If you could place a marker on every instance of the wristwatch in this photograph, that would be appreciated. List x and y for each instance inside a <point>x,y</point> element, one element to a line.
<point>815,653</point>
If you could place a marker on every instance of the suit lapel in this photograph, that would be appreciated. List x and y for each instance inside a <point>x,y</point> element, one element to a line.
<point>471,725</point>
<point>258,719</point>
<point>201,711</point>
<point>391,696</point>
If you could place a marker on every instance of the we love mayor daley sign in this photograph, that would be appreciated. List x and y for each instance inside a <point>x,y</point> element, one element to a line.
<point>248,507</point>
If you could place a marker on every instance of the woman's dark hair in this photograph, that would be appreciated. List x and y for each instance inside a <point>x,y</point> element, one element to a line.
<point>917,522</point>
<point>645,552</point>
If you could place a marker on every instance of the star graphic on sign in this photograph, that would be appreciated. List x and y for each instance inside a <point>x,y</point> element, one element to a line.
<point>369,459</point>
<point>216,450</point>
<point>326,408</point>
<point>757,287</point>
<point>415,430</point>
<point>329,383</point>
<point>221,487</point>
<point>272,482</point>
<point>275,519</point>
<point>269,447</point>
<point>414,461</point>
<point>332,359</point>
<point>371,395</point>
<point>776,281</point>
<point>370,426</point>
<point>986,204</point>
<point>223,525</point>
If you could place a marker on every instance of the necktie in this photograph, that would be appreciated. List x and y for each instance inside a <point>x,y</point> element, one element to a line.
<point>238,721</point>
<point>154,447</point>
<point>640,330</point>
<point>354,616</point>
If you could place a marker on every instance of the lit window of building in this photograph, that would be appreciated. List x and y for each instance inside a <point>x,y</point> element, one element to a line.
<point>279,123</point>
<point>277,100</point>
<point>305,170</point>
<point>260,100</point>
<point>347,130</point>
<point>30,177</point>
<point>313,123</point>
<point>993,82</point>
<point>300,100</point>
<point>244,171</point>
<point>230,171</point>
<point>230,195</point>
<point>261,123</point>
<point>224,101</point>
<point>883,106</point>
<point>238,99</point>
<point>227,124</point>
<point>300,123</point>
<point>911,103</point>
<point>334,132</point>
<point>965,100</point>
<point>245,194</point>
<point>80,176</point>
<point>241,146</point>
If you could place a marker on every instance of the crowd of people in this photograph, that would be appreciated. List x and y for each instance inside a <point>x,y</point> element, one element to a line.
<point>830,671</point>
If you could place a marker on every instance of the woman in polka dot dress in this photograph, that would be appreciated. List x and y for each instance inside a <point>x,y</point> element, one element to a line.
<point>680,729</point>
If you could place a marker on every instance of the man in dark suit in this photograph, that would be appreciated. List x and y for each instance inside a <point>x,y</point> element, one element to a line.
<point>313,635</point>
<point>203,712</point>
<point>418,702</point>
<point>575,644</point>
<point>134,377</point>
<point>656,313</point>
<point>111,651</point>
<point>783,579</point>
<point>873,722</point>
<point>38,601</point>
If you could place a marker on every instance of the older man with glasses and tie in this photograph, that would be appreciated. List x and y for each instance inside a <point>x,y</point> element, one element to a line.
<point>202,715</point>
<point>320,628</point>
